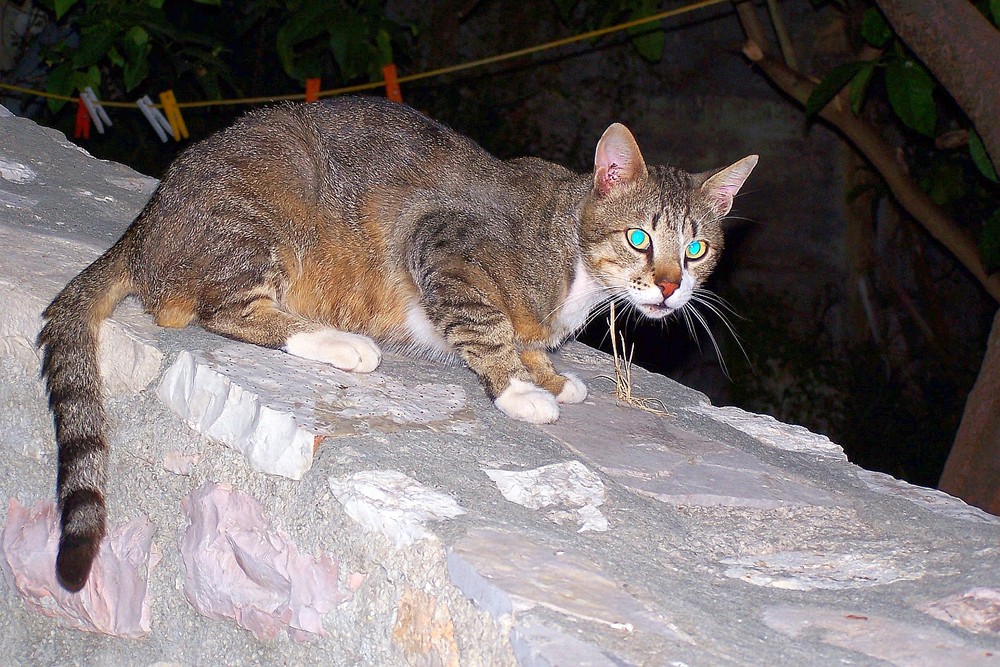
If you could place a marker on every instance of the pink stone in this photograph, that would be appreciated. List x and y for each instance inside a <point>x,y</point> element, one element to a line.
<point>115,600</point>
<point>237,566</point>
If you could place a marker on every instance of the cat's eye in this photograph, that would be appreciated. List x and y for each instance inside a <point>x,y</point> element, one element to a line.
<point>638,239</point>
<point>696,249</point>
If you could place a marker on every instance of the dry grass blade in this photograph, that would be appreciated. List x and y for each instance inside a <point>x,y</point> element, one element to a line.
<point>623,373</point>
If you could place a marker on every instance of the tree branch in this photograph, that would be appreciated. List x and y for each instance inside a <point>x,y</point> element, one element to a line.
<point>962,49</point>
<point>874,147</point>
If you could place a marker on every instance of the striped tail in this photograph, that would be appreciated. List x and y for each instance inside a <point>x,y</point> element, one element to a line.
<point>71,369</point>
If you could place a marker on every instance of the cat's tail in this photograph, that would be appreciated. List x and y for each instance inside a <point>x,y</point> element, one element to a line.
<point>71,369</point>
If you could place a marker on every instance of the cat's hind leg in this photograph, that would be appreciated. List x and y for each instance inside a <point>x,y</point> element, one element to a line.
<point>260,321</point>
<point>347,351</point>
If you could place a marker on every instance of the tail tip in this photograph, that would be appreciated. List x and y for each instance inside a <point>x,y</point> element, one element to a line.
<point>73,564</point>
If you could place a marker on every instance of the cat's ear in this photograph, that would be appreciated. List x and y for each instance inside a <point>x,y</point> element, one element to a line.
<point>617,160</point>
<point>721,186</point>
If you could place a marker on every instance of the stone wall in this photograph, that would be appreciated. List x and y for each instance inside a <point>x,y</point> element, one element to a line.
<point>267,510</point>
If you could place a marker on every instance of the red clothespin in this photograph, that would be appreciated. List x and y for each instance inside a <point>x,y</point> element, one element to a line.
<point>312,89</point>
<point>391,83</point>
<point>82,121</point>
<point>94,108</point>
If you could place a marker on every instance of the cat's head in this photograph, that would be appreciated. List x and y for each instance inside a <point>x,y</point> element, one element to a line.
<point>653,234</point>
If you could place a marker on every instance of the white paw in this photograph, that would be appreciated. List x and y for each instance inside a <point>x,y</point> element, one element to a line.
<point>574,391</point>
<point>528,403</point>
<point>346,351</point>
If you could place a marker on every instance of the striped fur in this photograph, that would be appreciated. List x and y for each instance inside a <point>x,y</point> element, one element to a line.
<point>329,230</point>
<point>72,373</point>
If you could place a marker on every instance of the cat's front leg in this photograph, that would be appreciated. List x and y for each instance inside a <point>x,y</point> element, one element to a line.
<point>527,402</point>
<point>566,387</point>
<point>483,336</point>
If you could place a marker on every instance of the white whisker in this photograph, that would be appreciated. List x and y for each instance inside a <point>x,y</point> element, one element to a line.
<point>711,337</point>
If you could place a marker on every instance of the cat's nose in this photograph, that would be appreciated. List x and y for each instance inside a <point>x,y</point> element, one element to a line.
<point>667,287</point>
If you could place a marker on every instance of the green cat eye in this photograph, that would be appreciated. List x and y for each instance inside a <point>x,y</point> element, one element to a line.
<point>696,249</point>
<point>638,239</point>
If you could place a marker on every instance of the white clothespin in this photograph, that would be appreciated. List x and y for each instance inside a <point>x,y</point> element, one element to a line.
<point>94,108</point>
<point>159,122</point>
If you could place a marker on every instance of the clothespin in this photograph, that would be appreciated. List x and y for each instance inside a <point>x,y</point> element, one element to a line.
<point>173,113</point>
<point>94,108</point>
<point>82,122</point>
<point>391,83</point>
<point>160,124</point>
<point>312,89</point>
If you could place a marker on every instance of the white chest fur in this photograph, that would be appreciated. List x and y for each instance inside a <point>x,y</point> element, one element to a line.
<point>424,335</point>
<point>584,294</point>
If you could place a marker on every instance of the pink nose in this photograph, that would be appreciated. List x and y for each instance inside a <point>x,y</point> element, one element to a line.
<point>667,288</point>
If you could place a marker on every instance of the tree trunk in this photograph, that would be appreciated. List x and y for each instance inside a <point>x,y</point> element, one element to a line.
<point>962,49</point>
<point>973,469</point>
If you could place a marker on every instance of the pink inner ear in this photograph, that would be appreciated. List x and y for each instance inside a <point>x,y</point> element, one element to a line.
<point>607,177</point>
<point>617,159</point>
<point>723,186</point>
<point>722,198</point>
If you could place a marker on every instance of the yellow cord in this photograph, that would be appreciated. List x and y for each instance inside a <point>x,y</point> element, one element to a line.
<point>403,79</point>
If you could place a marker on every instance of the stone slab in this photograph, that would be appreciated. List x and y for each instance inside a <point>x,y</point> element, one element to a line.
<point>725,538</point>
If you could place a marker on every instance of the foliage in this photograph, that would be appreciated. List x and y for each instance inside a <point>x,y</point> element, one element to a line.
<point>121,45</point>
<point>115,41</point>
<point>356,39</point>
<point>912,95</point>
<point>647,39</point>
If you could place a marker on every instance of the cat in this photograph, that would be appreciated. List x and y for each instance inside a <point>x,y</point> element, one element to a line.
<point>322,228</point>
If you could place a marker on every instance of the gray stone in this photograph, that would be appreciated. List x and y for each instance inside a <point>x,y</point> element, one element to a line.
<point>730,538</point>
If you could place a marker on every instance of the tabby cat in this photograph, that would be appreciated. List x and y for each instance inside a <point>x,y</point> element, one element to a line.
<point>320,229</point>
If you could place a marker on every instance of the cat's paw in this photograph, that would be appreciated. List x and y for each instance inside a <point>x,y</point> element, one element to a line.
<point>528,403</point>
<point>346,351</point>
<point>574,391</point>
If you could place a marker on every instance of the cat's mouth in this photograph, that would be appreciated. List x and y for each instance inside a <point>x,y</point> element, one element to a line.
<point>655,310</point>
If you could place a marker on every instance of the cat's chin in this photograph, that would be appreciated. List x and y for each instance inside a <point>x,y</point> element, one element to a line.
<point>654,311</point>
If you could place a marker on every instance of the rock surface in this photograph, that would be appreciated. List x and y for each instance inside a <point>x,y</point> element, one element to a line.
<point>443,532</point>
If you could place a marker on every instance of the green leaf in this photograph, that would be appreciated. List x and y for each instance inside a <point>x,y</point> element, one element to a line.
<point>995,11</point>
<point>832,84</point>
<point>214,3</point>
<point>116,57</point>
<point>59,82</point>
<point>648,39</point>
<point>910,90</point>
<point>384,43</point>
<point>349,46</point>
<point>92,78</point>
<point>305,24</point>
<point>875,29</point>
<point>980,158</point>
<point>136,63</point>
<point>63,6</point>
<point>95,42</point>
<point>859,86</point>
<point>989,243</point>
<point>649,43</point>
<point>137,35</point>
<point>155,4</point>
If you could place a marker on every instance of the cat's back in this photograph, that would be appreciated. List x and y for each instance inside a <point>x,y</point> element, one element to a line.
<point>357,141</point>
<point>382,142</point>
